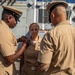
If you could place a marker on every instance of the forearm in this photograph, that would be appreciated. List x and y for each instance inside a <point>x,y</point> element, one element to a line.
<point>15,56</point>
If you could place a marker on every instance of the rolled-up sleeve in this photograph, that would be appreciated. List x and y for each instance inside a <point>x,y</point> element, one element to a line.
<point>46,52</point>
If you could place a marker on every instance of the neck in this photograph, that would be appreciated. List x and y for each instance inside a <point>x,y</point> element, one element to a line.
<point>6,22</point>
<point>35,38</point>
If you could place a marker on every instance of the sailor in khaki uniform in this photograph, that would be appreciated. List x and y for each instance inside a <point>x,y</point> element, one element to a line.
<point>58,45</point>
<point>8,41</point>
<point>31,53</point>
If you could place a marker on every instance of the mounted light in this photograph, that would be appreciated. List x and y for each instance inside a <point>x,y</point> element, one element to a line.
<point>38,6</point>
<point>29,5</point>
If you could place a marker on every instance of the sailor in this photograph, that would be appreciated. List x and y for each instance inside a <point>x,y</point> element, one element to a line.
<point>58,45</point>
<point>8,41</point>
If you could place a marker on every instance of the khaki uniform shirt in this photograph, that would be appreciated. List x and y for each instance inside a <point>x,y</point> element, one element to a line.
<point>58,50</point>
<point>8,44</point>
<point>30,58</point>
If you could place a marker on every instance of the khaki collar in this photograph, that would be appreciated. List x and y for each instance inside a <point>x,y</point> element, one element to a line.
<point>4,24</point>
<point>66,22</point>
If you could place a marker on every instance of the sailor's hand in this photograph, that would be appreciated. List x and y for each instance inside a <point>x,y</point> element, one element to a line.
<point>23,39</point>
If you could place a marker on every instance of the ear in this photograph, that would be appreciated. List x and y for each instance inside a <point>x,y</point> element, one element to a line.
<point>53,15</point>
<point>9,18</point>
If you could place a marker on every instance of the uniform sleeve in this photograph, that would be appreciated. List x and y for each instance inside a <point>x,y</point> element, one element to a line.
<point>7,46</point>
<point>46,52</point>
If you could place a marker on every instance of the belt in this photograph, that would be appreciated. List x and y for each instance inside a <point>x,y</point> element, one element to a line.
<point>33,68</point>
<point>31,65</point>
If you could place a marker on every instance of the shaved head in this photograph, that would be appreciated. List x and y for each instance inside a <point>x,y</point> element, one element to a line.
<point>60,10</point>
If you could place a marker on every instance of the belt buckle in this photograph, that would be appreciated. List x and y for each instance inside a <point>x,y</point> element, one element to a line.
<point>33,68</point>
